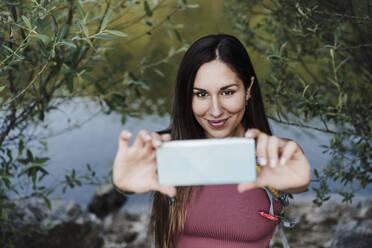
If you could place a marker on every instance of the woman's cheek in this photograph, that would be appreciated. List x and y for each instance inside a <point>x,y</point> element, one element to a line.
<point>234,105</point>
<point>199,108</point>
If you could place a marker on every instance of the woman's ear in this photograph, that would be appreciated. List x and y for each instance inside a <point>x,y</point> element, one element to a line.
<point>248,93</point>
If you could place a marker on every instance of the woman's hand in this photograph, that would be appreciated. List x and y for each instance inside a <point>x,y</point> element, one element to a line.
<point>283,164</point>
<point>134,167</point>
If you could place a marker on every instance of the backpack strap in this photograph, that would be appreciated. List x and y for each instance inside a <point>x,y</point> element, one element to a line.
<point>282,197</point>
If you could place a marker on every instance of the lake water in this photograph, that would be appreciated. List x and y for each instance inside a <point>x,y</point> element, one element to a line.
<point>95,142</point>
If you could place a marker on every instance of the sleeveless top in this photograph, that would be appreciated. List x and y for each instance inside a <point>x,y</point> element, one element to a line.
<point>220,216</point>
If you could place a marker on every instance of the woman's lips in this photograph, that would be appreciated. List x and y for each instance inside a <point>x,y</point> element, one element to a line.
<point>217,123</point>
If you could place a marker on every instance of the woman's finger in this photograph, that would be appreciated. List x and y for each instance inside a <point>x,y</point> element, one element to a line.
<point>252,133</point>
<point>143,137</point>
<point>287,152</point>
<point>261,149</point>
<point>156,140</point>
<point>242,187</point>
<point>124,138</point>
<point>167,190</point>
<point>273,150</point>
<point>259,183</point>
<point>166,137</point>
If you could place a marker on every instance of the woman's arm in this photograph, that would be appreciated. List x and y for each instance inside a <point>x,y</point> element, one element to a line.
<point>284,165</point>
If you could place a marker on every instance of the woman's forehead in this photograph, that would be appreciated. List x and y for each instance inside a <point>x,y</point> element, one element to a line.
<point>215,74</point>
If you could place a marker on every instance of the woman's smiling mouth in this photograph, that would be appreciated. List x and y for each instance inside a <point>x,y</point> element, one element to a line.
<point>217,123</point>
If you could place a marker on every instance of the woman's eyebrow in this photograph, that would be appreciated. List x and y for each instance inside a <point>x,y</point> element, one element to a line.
<point>230,85</point>
<point>195,88</point>
<point>222,88</point>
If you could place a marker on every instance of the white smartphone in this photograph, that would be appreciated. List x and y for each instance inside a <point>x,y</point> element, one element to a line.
<point>206,161</point>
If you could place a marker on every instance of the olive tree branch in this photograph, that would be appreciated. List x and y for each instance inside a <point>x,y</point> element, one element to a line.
<point>155,27</point>
<point>305,126</point>
<point>29,85</point>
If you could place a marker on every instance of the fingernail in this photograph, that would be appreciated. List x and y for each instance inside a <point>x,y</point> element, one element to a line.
<point>147,137</point>
<point>283,161</point>
<point>127,135</point>
<point>262,161</point>
<point>272,163</point>
<point>157,143</point>
<point>249,134</point>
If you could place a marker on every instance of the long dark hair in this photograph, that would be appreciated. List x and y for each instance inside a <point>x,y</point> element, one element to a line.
<point>168,220</point>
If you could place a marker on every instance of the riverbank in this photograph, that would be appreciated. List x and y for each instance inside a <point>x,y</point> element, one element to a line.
<point>106,224</point>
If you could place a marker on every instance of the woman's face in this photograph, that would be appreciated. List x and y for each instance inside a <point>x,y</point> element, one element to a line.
<point>218,101</point>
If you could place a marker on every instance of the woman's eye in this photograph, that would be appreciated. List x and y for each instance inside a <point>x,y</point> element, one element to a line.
<point>228,92</point>
<point>200,94</point>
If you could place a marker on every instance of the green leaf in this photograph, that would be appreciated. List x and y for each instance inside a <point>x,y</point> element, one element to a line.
<point>80,9</point>
<point>4,214</point>
<point>85,29</point>
<point>66,43</point>
<point>171,52</point>
<point>33,176</point>
<point>282,47</point>
<point>40,161</point>
<point>62,32</point>
<point>123,119</point>
<point>341,64</point>
<point>21,146</point>
<point>193,6</point>
<point>70,82</point>
<point>2,88</point>
<point>9,154</point>
<point>7,48</point>
<point>30,157</point>
<point>89,78</point>
<point>178,35</point>
<point>105,37</point>
<point>27,22</point>
<point>73,174</point>
<point>90,44</point>
<point>116,32</point>
<point>43,38</point>
<point>158,72</point>
<point>47,202</point>
<point>316,173</point>
<point>147,9</point>
<point>106,20</point>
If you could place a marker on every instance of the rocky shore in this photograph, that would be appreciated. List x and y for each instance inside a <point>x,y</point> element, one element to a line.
<point>333,225</point>
<point>105,224</point>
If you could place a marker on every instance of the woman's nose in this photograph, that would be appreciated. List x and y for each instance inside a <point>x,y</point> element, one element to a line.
<point>215,107</point>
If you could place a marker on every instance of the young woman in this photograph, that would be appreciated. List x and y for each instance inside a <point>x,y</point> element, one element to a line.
<point>217,95</point>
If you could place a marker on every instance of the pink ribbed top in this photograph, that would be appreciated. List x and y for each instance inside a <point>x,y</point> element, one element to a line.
<point>220,216</point>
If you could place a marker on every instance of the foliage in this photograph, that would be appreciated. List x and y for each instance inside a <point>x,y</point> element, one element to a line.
<point>49,52</point>
<point>320,60</point>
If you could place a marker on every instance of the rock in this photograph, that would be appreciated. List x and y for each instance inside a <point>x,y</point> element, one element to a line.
<point>316,225</point>
<point>64,225</point>
<point>106,200</point>
<point>126,228</point>
<point>356,234</point>
<point>64,235</point>
<point>365,211</point>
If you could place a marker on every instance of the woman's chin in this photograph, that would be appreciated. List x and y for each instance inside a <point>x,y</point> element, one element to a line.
<point>218,134</point>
